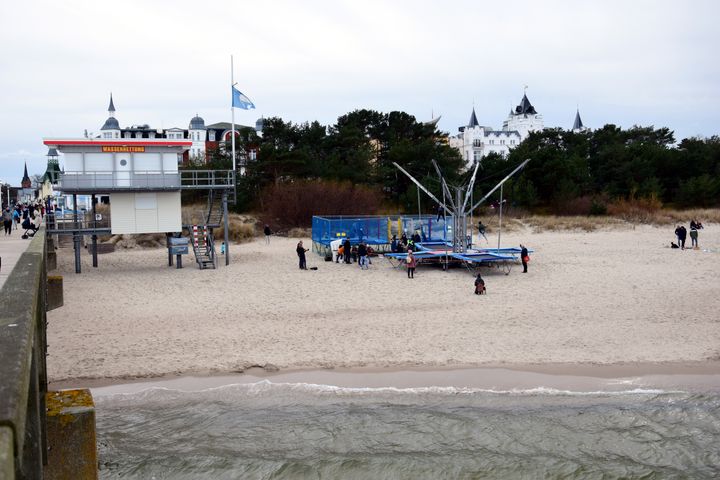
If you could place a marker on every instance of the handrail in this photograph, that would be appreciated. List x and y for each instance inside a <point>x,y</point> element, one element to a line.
<point>145,180</point>
<point>23,376</point>
<point>74,222</point>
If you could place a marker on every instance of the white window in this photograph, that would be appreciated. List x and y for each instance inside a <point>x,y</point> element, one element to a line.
<point>107,135</point>
<point>212,135</point>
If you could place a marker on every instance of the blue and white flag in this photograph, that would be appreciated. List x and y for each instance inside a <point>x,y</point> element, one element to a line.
<point>239,100</point>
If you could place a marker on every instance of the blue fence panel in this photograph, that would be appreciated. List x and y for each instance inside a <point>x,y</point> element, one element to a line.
<point>378,230</point>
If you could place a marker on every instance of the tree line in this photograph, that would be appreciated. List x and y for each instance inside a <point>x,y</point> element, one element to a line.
<point>570,172</point>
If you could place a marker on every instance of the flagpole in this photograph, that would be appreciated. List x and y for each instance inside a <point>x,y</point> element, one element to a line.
<point>232,110</point>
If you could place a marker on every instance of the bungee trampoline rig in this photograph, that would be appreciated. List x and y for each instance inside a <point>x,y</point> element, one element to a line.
<point>443,242</point>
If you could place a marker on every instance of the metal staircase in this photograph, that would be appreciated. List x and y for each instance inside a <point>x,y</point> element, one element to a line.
<point>215,209</point>
<point>203,246</point>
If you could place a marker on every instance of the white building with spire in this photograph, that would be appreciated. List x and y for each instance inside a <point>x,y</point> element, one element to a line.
<point>111,127</point>
<point>476,141</point>
<point>203,137</point>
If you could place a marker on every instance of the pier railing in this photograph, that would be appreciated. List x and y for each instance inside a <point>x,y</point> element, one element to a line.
<point>23,374</point>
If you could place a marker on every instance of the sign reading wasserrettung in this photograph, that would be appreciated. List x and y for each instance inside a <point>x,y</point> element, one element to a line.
<point>123,149</point>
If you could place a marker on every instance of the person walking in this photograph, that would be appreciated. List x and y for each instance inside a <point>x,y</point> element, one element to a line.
<point>267,233</point>
<point>16,216</point>
<point>7,218</point>
<point>301,255</point>
<point>524,257</point>
<point>411,264</point>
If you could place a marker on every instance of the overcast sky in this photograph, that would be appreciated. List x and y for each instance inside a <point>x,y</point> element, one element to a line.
<point>622,62</point>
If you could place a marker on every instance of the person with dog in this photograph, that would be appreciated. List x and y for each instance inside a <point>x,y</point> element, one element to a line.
<point>681,234</point>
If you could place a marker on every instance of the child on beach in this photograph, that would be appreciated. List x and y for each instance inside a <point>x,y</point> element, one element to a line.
<point>411,264</point>
<point>480,285</point>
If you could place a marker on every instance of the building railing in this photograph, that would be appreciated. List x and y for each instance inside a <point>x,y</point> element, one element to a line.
<point>23,373</point>
<point>73,222</point>
<point>204,179</point>
<point>69,182</point>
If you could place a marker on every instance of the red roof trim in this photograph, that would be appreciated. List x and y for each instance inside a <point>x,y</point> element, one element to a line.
<point>120,143</point>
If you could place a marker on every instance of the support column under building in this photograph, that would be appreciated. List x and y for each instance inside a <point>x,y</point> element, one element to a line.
<point>226,227</point>
<point>94,236</point>
<point>76,235</point>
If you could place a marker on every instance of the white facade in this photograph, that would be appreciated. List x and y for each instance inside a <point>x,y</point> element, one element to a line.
<point>141,177</point>
<point>145,212</point>
<point>476,141</point>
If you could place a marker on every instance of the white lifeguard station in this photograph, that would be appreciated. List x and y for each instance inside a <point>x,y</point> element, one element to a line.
<point>143,182</point>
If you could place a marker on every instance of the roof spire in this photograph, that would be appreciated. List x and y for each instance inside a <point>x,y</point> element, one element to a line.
<point>111,108</point>
<point>525,106</point>
<point>578,125</point>
<point>26,183</point>
<point>473,119</point>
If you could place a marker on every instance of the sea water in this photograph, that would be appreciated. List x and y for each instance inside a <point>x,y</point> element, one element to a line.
<point>270,430</point>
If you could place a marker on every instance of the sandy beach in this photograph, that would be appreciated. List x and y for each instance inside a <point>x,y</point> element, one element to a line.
<point>613,297</point>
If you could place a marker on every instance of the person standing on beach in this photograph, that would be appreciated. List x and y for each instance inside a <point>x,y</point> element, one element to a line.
<point>411,264</point>
<point>693,234</point>
<point>346,250</point>
<point>301,255</point>
<point>362,255</point>
<point>267,233</point>
<point>677,234</point>
<point>683,236</point>
<point>524,257</point>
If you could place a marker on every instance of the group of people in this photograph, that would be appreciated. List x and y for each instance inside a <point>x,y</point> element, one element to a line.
<point>406,243</point>
<point>360,253</point>
<point>26,215</point>
<point>681,235</point>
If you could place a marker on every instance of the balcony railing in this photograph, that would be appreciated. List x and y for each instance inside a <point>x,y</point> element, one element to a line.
<point>88,182</point>
<point>72,222</point>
